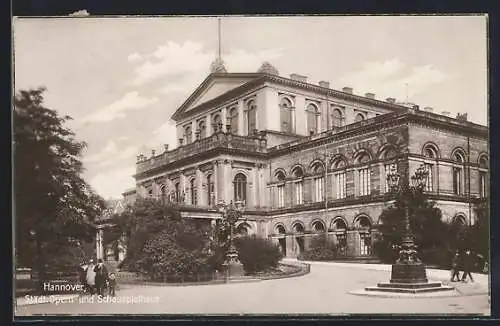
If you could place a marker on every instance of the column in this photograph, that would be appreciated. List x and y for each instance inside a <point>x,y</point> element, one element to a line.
<point>323,124</point>
<point>255,184</point>
<point>202,200</point>
<point>241,120</point>
<point>353,243</point>
<point>289,239</point>
<point>215,168</point>
<point>209,125</point>
<point>182,185</point>
<point>228,181</point>
<point>223,115</point>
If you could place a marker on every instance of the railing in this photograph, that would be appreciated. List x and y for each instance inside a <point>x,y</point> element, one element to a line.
<point>218,140</point>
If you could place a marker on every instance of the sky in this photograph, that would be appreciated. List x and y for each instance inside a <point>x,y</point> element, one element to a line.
<point>122,78</point>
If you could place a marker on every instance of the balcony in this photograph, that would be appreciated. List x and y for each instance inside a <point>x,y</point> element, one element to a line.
<point>216,141</point>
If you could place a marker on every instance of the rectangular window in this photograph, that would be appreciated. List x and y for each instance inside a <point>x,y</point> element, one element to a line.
<point>429,181</point>
<point>298,193</point>
<point>340,185</point>
<point>364,182</point>
<point>482,184</point>
<point>457,172</point>
<point>281,196</point>
<point>318,188</point>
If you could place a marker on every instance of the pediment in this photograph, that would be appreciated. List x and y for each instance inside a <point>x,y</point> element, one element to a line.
<point>212,87</point>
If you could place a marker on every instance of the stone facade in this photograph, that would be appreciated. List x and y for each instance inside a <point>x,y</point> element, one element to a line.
<point>307,159</point>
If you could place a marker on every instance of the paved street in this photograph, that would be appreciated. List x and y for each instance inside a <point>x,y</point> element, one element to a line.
<point>323,291</point>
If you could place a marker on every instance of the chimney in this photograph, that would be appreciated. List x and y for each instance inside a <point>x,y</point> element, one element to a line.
<point>324,84</point>
<point>446,113</point>
<point>370,95</point>
<point>299,78</point>
<point>165,147</point>
<point>390,100</point>
<point>347,90</point>
<point>428,109</point>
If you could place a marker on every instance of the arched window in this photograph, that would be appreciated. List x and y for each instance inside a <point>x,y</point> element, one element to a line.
<point>210,190</point>
<point>364,175</point>
<point>460,220</point>
<point>483,175</point>
<point>336,118</point>
<point>150,192</point>
<point>243,229</point>
<point>298,174</point>
<point>188,134</point>
<point>233,120</point>
<point>319,181</point>
<point>359,117</point>
<point>430,152</point>
<point>458,171</point>
<point>240,187</point>
<point>339,226</point>
<point>251,117</point>
<point>318,226</point>
<point>298,228</point>
<point>363,223</point>
<point>312,113</point>
<point>389,166</point>
<point>286,115</point>
<point>192,187</point>
<point>339,178</point>
<point>202,128</point>
<point>280,188</point>
<point>162,191</point>
<point>280,229</point>
<point>177,192</point>
<point>216,123</point>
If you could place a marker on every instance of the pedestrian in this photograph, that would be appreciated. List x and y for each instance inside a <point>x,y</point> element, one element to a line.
<point>468,265</point>
<point>91,277</point>
<point>455,267</point>
<point>82,273</point>
<point>112,284</point>
<point>101,276</point>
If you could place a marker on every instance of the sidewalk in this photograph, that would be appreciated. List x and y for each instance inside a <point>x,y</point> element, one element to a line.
<point>479,286</point>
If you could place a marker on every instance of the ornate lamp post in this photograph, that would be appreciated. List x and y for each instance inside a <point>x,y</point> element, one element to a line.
<point>408,268</point>
<point>231,214</point>
<point>408,274</point>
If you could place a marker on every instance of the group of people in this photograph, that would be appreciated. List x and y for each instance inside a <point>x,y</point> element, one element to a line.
<point>96,278</point>
<point>462,262</point>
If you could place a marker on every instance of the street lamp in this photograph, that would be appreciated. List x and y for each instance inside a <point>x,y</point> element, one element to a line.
<point>408,256</point>
<point>231,214</point>
<point>408,274</point>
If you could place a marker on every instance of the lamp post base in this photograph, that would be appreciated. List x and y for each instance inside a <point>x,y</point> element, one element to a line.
<point>409,278</point>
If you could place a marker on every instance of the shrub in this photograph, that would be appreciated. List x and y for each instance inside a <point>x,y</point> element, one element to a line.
<point>321,249</point>
<point>257,254</point>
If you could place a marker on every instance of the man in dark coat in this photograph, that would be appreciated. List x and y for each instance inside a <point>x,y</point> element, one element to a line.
<point>101,276</point>
<point>468,266</point>
<point>82,273</point>
<point>455,268</point>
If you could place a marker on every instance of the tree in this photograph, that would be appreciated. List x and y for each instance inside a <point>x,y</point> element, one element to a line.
<point>429,231</point>
<point>321,249</point>
<point>257,254</point>
<point>54,206</point>
<point>159,242</point>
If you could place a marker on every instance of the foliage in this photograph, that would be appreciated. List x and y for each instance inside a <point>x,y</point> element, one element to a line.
<point>257,254</point>
<point>429,231</point>
<point>320,249</point>
<point>53,204</point>
<point>159,242</point>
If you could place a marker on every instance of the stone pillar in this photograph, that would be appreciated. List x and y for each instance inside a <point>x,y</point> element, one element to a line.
<point>182,184</point>
<point>223,115</point>
<point>353,243</point>
<point>215,167</point>
<point>202,201</point>
<point>209,131</point>
<point>255,194</point>
<point>290,252</point>
<point>228,182</point>
<point>241,120</point>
